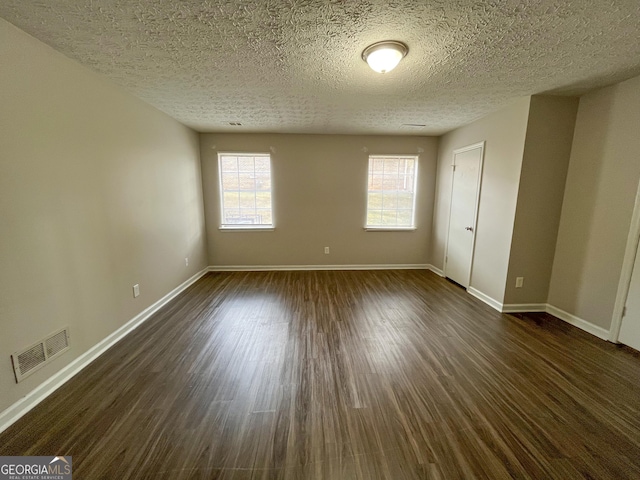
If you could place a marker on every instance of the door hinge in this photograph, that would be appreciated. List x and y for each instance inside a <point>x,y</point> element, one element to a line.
<point>454,167</point>
<point>624,310</point>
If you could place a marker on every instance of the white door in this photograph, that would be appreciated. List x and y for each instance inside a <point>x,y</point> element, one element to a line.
<point>467,167</point>
<point>630,328</point>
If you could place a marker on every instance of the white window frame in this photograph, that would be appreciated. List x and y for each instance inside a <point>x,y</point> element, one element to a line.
<point>252,226</point>
<point>393,228</point>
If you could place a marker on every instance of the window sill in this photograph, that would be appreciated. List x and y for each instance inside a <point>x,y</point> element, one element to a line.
<point>252,228</point>
<point>389,229</point>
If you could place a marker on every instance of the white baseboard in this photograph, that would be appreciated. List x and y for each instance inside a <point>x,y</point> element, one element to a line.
<point>578,322</point>
<point>485,298</point>
<point>435,270</point>
<point>42,391</point>
<point>268,268</point>
<point>542,307</point>
<point>524,307</point>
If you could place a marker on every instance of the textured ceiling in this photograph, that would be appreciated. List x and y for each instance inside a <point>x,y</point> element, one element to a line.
<point>295,65</point>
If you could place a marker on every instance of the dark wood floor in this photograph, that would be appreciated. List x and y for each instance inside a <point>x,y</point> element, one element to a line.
<point>340,375</point>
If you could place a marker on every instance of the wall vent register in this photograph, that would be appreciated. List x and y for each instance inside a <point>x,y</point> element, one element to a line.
<point>38,355</point>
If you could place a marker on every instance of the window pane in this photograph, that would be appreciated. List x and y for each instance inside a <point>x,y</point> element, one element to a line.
<point>248,200</point>
<point>245,164</point>
<point>389,217</point>
<point>404,217</point>
<point>391,165</point>
<point>405,200</point>
<point>263,200</point>
<point>229,164</point>
<point>390,201</point>
<point>231,215</point>
<point>374,217</point>
<point>247,181</point>
<point>229,181</point>
<point>264,216</point>
<point>263,181</point>
<point>375,182</point>
<point>376,165</point>
<point>375,201</point>
<point>231,200</point>
<point>245,189</point>
<point>391,185</point>
<point>262,165</point>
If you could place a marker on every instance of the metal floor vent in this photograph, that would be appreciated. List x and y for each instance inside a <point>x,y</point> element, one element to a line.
<point>36,356</point>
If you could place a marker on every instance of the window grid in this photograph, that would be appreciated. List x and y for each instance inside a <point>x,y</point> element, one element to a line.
<point>249,209</point>
<point>391,191</point>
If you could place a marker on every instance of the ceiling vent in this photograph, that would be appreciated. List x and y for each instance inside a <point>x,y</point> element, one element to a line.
<point>414,125</point>
<point>36,356</point>
<point>235,124</point>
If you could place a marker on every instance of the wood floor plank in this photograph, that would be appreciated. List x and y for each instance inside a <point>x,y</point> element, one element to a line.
<point>344,375</point>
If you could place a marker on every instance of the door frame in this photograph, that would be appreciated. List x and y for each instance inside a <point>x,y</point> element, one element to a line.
<point>633,243</point>
<point>474,146</point>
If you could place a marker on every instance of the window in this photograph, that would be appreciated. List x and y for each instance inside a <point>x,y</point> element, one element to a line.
<point>391,193</point>
<point>245,190</point>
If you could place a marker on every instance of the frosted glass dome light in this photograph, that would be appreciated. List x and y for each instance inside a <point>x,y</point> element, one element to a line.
<point>384,56</point>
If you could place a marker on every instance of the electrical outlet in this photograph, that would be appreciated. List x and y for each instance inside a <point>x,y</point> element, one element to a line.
<point>136,290</point>
<point>519,282</point>
<point>186,261</point>
<point>326,250</point>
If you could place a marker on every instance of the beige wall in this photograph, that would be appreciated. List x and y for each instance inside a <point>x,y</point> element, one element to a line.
<point>98,191</point>
<point>544,171</point>
<point>320,184</point>
<point>504,133</point>
<point>601,185</point>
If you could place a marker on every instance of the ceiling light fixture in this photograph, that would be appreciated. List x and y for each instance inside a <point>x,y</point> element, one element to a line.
<point>384,56</point>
